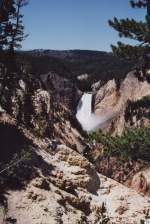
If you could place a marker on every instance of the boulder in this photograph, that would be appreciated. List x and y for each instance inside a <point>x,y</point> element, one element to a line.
<point>141,182</point>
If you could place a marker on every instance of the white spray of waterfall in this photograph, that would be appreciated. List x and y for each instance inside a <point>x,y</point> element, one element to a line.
<point>84,115</point>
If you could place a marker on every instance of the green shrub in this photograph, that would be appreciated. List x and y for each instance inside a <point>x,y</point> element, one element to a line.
<point>140,108</point>
<point>133,144</point>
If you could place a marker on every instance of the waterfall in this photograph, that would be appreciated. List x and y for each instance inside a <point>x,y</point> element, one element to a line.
<point>88,120</point>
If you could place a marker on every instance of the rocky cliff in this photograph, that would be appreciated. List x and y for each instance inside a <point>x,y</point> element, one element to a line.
<point>58,185</point>
<point>44,176</point>
<point>46,106</point>
<point>111,102</point>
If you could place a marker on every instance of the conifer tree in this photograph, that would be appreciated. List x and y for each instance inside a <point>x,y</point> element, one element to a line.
<point>7,9</point>
<point>135,30</point>
<point>12,32</point>
<point>16,33</point>
<point>11,24</point>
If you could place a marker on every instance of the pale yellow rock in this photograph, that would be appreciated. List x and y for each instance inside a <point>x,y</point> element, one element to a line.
<point>110,103</point>
<point>141,182</point>
<point>69,199</point>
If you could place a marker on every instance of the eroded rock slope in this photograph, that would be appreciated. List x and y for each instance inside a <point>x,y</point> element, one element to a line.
<point>110,102</point>
<point>66,188</point>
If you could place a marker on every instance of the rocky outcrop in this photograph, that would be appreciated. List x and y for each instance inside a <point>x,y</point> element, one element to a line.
<point>63,90</point>
<point>110,102</point>
<point>45,106</point>
<point>44,179</point>
<point>141,182</point>
<point>64,97</point>
<point>27,102</point>
<point>77,171</point>
<point>113,166</point>
<point>67,189</point>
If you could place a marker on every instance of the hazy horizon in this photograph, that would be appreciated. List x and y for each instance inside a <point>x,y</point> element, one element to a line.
<point>34,49</point>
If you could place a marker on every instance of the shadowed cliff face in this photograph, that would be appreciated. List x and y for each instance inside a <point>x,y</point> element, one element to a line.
<point>45,106</point>
<point>19,160</point>
<point>25,100</point>
<point>12,141</point>
<point>62,90</point>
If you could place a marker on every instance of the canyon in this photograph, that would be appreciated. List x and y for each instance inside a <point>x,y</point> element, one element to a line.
<point>56,183</point>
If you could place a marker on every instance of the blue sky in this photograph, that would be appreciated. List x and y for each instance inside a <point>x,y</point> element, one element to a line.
<point>74,24</point>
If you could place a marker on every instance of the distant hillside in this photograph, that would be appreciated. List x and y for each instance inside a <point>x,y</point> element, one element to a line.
<point>72,63</point>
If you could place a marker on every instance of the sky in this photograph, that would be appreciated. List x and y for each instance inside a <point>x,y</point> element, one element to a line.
<point>74,24</point>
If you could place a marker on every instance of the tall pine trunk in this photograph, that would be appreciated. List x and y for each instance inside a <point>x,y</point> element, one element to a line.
<point>148,7</point>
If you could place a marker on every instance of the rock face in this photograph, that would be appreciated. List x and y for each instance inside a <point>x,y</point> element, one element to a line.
<point>67,189</point>
<point>63,90</point>
<point>141,182</point>
<point>27,102</point>
<point>41,106</point>
<point>64,97</point>
<point>45,106</point>
<point>110,102</point>
<point>44,179</point>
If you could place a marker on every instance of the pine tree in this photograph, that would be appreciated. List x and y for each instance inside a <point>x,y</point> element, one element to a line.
<point>6,11</point>
<point>11,24</point>
<point>11,33</point>
<point>16,33</point>
<point>135,30</point>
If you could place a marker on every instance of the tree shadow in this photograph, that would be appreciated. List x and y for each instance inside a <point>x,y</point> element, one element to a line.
<point>19,161</point>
